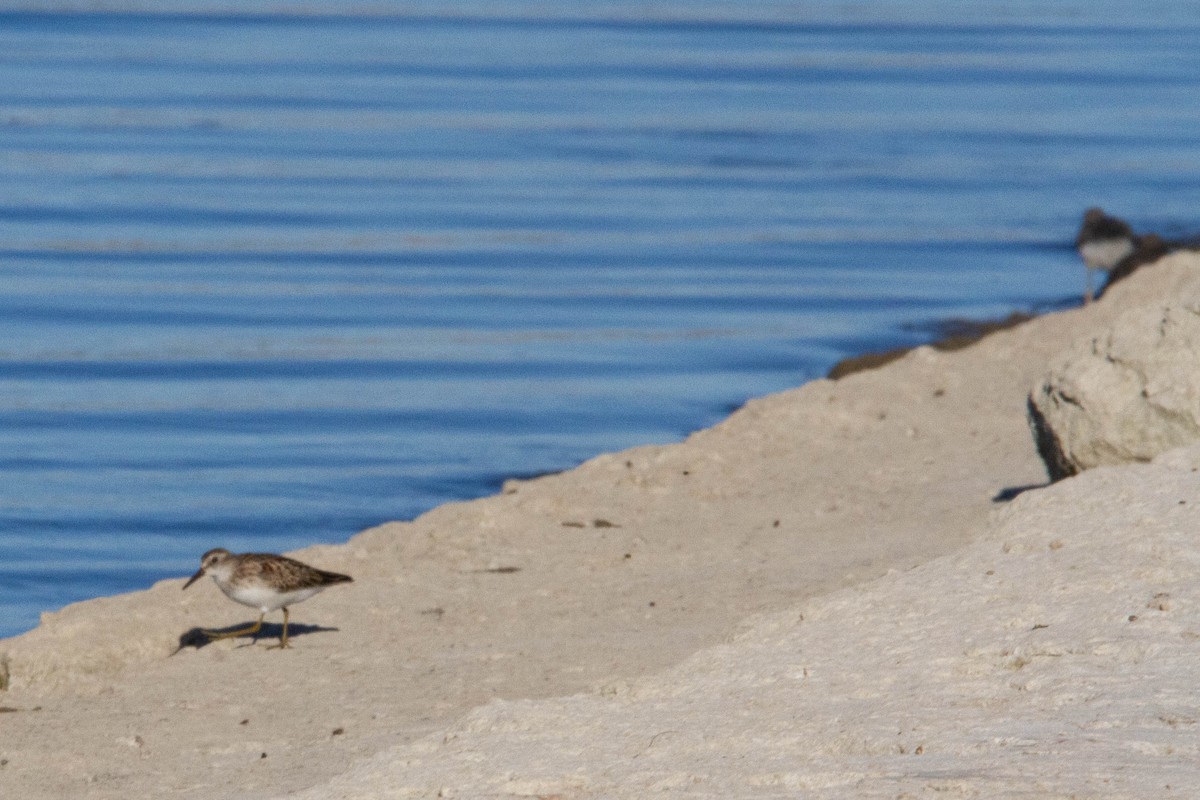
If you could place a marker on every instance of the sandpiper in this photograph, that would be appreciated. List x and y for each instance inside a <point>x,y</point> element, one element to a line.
<point>264,581</point>
<point>1103,243</point>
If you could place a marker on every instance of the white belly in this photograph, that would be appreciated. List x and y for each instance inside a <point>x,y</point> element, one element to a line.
<point>257,595</point>
<point>1105,253</point>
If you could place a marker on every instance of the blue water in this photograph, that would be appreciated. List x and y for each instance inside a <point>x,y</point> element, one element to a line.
<point>268,278</point>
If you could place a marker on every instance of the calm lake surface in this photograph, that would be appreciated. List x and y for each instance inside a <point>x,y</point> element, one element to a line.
<point>270,277</point>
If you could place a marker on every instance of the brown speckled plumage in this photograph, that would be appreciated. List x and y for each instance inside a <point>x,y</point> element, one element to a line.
<point>264,581</point>
<point>282,573</point>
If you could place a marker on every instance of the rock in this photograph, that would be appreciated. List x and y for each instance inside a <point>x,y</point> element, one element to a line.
<point>1148,249</point>
<point>1126,395</point>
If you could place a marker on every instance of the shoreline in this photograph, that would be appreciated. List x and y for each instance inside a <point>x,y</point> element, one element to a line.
<point>955,335</point>
<point>946,335</point>
<point>484,611</point>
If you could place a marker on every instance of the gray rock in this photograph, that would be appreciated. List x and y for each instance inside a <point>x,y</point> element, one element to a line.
<point>1126,395</point>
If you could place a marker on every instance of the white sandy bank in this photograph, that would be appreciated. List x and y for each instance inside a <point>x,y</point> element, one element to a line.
<point>571,636</point>
<point>1057,657</point>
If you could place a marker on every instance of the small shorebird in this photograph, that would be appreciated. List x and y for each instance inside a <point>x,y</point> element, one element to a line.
<point>264,581</point>
<point>1103,243</point>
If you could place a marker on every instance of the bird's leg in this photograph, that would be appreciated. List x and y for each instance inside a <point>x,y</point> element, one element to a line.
<point>1089,294</point>
<point>241,632</point>
<point>283,645</point>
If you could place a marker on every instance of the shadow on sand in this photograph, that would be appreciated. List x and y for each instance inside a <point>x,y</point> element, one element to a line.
<point>270,632</point>
<point>1011,492</point>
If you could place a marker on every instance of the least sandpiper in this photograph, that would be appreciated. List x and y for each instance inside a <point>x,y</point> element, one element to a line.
<point>264,581</point>
<point>1103,243</point>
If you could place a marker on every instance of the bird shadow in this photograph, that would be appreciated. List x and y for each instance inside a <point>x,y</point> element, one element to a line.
<point>270,632</point>
<point>1011,492</point>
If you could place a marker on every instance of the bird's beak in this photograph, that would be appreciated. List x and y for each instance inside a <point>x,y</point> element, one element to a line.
<point>199,574</point>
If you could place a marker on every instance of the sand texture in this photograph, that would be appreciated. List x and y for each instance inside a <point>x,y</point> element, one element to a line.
<point>829,594</point>
<point>1053,658</point>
